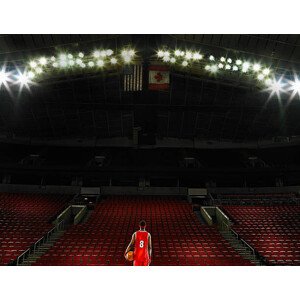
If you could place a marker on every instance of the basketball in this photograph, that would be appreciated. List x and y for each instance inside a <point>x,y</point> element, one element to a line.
<point>129,255</point>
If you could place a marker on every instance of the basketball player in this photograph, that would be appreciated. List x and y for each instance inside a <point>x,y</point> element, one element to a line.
<point>141,245</point>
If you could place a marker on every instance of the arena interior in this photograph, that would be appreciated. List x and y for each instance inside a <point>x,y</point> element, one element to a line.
<point>198,135</point>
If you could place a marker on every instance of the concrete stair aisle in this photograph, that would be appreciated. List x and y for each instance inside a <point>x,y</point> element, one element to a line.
<point>41,250</point>
<point>238,245</point>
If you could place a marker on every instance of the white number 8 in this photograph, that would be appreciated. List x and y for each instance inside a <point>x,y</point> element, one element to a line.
<point>141,244</point>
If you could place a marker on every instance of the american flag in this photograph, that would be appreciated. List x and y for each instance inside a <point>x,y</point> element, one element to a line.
<point>133,78</point>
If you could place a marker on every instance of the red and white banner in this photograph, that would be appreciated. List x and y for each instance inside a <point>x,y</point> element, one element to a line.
<point>159,77</point>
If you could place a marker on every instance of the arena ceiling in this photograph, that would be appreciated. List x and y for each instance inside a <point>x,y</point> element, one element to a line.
<point>195,106</point>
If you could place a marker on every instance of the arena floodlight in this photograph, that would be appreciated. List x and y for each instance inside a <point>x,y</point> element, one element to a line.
<point>184,63</point>
<point>260,77</point>
<point>276,87</point>
<point>4,77</point>
<point>96,54</point>
<point>188,55</point>
<point>113,60</point>
<point>63,56</point>
<point>266,71</point>
<point>33,64</point>
<point>128,55</point>
<point>103,53</point>
<point>78,61</point>
<point>177,52</point>
<point>245,66</point>
<point>197,56</point>
<point>31,75</point>
<point>43,61</point>
<point>109,52</point>
<point>166,58</point>
<point>294,86</point>
<point>245,69</point>
<point>160,53</point>
<point>127,59</point>
<point>100,63</point>
<point>214,68</point>
<point>39,70</point>
<point>256,67</point>
<point>23,80</point>
<point>131,53</point>
<point>63,63</point>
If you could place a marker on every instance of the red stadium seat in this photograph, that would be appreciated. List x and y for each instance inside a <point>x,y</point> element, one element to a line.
<point>178,236</point>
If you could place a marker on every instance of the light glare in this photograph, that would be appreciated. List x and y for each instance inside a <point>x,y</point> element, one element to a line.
<point>276,87</point>
<point>100,63</point>
<point>177,52</point>
<point>294,86</point>
<point>256,67</point>
<point>184,63</point>
<point>160,53</point>
<point>113,60</point>
<point>266,71</point>
<point>33,64</point>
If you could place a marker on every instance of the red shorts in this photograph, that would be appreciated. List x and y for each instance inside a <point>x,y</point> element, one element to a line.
<point>141,262</point>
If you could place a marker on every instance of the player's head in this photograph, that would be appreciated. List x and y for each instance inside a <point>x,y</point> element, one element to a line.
<point>142,224</point>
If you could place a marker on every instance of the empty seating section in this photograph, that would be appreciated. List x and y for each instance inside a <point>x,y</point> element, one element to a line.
<point>178,236</point>
<point>274,231</point>
<point>24,218</point>
<point>258,199</point>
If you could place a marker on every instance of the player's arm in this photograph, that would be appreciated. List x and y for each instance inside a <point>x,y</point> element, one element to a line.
<point>149,245</point>
<point>131,244</point>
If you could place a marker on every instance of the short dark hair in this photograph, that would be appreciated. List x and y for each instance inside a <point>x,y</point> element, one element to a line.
<point>143,223</point>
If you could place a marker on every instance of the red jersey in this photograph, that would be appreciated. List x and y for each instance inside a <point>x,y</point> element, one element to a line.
<point>141,246</point>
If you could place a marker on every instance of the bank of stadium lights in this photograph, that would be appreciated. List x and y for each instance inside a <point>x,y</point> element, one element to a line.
<point>64,61</point>
<point>99,58</point>
<point>294,87</point>
<point>127,55</point>
<point>183,58</point>
<point>215,64</point>
<point>4,77</point>
<point>276,87</point>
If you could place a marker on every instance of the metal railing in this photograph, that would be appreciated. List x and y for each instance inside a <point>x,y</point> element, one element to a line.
<point>248,246</point>
<point>33,248</point>
<point>235,233</point>
<point>253,251</point>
